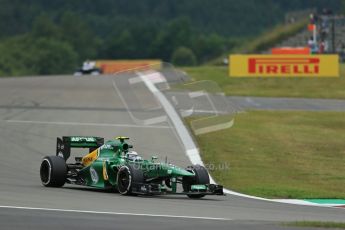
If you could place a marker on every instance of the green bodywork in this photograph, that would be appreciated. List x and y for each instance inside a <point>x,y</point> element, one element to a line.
<point>102,172</point>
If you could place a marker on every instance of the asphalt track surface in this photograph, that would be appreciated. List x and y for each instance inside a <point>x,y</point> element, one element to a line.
<point>36,110</point>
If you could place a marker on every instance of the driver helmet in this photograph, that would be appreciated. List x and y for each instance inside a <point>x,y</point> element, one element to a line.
<point>132,155</point>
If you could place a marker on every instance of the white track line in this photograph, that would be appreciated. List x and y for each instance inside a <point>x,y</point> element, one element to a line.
<point>113,213</point>
<point>192,150</point>
<point>85,124</point>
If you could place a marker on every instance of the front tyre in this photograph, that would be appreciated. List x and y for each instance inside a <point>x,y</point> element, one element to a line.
<point>53,171</point>
<point>201,177</point>
<point>126,177</point>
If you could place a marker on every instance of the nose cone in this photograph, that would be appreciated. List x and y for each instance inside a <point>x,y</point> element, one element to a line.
<point>177,171</point>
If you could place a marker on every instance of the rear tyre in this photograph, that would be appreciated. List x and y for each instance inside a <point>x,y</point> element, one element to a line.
<point>201,177</point>
<point>126,177</point>
<point>53,171</point>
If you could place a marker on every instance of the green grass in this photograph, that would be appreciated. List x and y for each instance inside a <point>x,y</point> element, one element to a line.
<point>266,40</point>
<point>272,37</point>
<point>280,154</point>
<point>316,224</point>
<point>271,87</point>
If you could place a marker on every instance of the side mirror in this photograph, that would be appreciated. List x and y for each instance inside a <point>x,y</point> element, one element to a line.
<point>154,158</point>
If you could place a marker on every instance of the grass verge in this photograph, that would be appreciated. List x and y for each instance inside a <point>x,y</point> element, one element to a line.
<point>271,87</point>
<point>280,154</point>
<point>316,224</point>
<point>266,40</point>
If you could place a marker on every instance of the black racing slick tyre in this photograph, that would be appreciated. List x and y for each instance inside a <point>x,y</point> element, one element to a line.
<point>126,177</point>
<point>201,177</point>
<point>53,171</point>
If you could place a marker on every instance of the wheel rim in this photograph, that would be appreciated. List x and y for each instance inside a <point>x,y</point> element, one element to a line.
<point>124,181</point>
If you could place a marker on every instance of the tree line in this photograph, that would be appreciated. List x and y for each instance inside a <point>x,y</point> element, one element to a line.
<point>54,37</point>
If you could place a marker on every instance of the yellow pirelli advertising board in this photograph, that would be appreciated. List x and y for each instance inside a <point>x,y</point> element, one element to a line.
<point>284,66</point>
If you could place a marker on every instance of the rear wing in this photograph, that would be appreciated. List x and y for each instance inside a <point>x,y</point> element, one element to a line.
<point>64,144</point>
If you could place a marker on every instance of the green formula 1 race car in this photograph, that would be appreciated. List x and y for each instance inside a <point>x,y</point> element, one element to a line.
<point>113,165</point>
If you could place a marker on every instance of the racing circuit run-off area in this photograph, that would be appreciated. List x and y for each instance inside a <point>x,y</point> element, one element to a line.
<point>172,115</point>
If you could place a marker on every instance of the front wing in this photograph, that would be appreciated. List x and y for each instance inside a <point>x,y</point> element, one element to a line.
<point>155,189</point>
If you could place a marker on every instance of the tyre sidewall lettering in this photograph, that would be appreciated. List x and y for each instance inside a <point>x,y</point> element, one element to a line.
<point>49,171</point>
